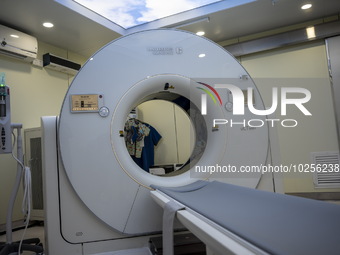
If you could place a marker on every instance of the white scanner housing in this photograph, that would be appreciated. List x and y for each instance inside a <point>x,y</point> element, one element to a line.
<point>93,161</point>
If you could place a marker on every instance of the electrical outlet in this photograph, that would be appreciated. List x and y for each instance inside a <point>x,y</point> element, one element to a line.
<point>37,62</point>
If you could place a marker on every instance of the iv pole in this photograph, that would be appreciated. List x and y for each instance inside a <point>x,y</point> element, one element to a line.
<point>16,184</point>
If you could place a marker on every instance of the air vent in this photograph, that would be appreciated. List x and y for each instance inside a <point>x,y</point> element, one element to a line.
<point>12,54</point>
<point>60,64</point>
<point>327,173</point>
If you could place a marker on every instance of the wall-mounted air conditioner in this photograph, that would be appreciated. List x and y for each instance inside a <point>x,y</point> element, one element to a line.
<point>16,44</point>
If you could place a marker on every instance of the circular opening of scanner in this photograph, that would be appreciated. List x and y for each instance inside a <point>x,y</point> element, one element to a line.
<point>178,90</point>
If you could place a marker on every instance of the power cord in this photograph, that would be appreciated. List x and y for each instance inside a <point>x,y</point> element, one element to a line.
<point>26,202</point>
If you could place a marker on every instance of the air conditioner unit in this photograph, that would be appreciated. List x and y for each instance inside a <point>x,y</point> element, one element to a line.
<point>60,64</point>
<point>16,44</point>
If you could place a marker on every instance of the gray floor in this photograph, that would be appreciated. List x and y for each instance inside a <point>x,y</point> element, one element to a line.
<point>32,232</point>
<point>38,232</point>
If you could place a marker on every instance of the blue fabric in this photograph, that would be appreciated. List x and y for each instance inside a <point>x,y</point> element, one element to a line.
<point>134,134</point>
<point>148,154</point>
<point>278,224</point>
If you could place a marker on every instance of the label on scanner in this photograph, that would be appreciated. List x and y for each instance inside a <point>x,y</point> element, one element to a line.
<point>85,103</point>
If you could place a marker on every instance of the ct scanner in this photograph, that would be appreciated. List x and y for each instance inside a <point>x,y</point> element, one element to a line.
<point>97,200</point>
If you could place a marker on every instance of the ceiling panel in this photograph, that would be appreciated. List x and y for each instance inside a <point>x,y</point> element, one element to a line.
<point>82,35</point>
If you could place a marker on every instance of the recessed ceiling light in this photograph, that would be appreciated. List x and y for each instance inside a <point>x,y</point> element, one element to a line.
<point>200,33</point>
<point>202,55</point>
<point>14,36</point>
<point>306,6</point>
<point>48,24</point>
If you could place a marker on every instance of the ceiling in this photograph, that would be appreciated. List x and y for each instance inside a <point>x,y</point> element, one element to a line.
<point>80,34</point>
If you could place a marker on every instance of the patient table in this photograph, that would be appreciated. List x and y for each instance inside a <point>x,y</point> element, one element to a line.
<point>237,220</point>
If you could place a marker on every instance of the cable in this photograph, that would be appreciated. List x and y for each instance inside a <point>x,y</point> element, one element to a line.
<point>16,159</point>
<point>26,202</point>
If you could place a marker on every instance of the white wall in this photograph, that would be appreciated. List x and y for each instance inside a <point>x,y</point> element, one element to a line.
<point>299,66</point>
<point>174,126</point>
<point>35,92</point>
